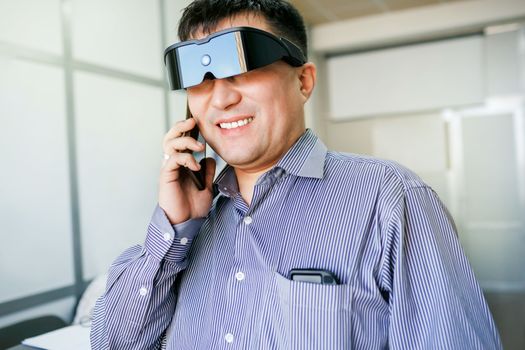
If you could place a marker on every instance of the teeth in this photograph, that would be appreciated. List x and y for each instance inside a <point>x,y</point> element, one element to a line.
<point>236,124</point>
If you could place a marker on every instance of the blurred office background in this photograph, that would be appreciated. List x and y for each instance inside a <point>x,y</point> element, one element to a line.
<point>436,85</point>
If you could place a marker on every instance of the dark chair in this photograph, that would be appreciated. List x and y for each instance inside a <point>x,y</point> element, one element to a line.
<point>14,334</point>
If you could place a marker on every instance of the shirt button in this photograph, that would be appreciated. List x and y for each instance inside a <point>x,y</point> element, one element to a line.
<point>229,338</point>
<point>167,236</point>
<point>248,220</point>
<point>183,240</point>
<point>143,291</point>
<point>239,275</point>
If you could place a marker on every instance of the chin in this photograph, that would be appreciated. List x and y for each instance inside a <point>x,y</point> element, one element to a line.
<point>240,158</point>
<point>237,161</point>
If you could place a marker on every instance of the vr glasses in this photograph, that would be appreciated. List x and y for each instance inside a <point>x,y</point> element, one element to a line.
<point>227,53</point>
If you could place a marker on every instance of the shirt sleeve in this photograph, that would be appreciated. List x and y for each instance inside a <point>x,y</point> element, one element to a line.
<point>435,300</point>
<point>140,299</point>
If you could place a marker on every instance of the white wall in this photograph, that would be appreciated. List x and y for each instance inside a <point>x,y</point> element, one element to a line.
<point>83,108</point>
<point>35,204</point>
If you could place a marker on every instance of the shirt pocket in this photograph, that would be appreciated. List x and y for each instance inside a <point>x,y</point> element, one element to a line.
<point>317,316</point>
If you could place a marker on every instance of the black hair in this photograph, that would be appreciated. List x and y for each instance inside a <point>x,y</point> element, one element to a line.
<point>282,17</point>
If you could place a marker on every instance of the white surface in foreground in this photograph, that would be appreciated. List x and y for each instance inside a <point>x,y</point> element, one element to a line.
<point>72,337</point>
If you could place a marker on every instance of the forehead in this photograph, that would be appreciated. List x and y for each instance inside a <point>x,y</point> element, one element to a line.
<point>239,20</point>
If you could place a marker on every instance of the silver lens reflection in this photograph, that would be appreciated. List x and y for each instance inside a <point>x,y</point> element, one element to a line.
<point>205,60</point>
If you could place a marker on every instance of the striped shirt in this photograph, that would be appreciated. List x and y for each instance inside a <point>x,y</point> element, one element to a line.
<point>222,282</point>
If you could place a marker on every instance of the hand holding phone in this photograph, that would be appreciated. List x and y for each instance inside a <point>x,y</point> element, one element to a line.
<point>185,185</point>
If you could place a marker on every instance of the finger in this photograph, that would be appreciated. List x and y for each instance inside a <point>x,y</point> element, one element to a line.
<point>210,171</point>
<point>180,159</point>
<point>181,144</point>
<point>179,129</point>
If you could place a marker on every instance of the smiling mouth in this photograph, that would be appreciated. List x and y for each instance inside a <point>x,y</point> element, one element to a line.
<point>236,124</point>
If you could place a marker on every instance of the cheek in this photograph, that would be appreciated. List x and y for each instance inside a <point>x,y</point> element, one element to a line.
<point>272,93</point>
<point>195,104</point>
<point>284,100</point>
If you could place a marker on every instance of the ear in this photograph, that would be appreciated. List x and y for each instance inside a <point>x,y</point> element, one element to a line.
<point>307,78</point>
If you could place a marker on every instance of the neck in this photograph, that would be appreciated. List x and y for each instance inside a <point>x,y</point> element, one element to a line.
<point>247,177</point>
<point>246,181</point>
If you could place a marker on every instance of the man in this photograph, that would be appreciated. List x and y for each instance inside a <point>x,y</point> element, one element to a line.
<point>302,248</point>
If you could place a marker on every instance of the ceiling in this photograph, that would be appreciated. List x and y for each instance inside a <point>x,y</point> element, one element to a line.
<point>325,11</point>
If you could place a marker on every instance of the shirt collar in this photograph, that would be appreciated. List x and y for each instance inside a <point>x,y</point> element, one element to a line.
<point>305,159</point>
<point>226,182</point>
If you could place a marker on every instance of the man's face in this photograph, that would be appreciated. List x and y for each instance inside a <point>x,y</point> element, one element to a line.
<point>251,119</point>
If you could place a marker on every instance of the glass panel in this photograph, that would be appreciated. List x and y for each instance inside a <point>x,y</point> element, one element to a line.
<point>503,60</point>
<point>120,126</point>
<point>490,169</point>
<point>406,79</point>
<point>31,23</point>
<point>354,136</point>
<point>497,254</point>
<point>406,139</point>
<point>418,141</point>
<point>35,212</point>
<point>121,34</point>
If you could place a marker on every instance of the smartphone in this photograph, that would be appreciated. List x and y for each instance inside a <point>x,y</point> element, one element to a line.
<point>313,276</point>
<point>198,177</point>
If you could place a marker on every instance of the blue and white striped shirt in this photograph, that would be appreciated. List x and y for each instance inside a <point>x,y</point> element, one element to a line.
<point>222,282</point>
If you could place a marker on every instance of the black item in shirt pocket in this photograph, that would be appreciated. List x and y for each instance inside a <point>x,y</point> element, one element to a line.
<point>318,316</point>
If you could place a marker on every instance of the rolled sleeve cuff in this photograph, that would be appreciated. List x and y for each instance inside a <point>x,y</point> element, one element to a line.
<point>170,242</point>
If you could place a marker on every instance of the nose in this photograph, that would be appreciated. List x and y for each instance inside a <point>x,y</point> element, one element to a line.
<point>224,95</point>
